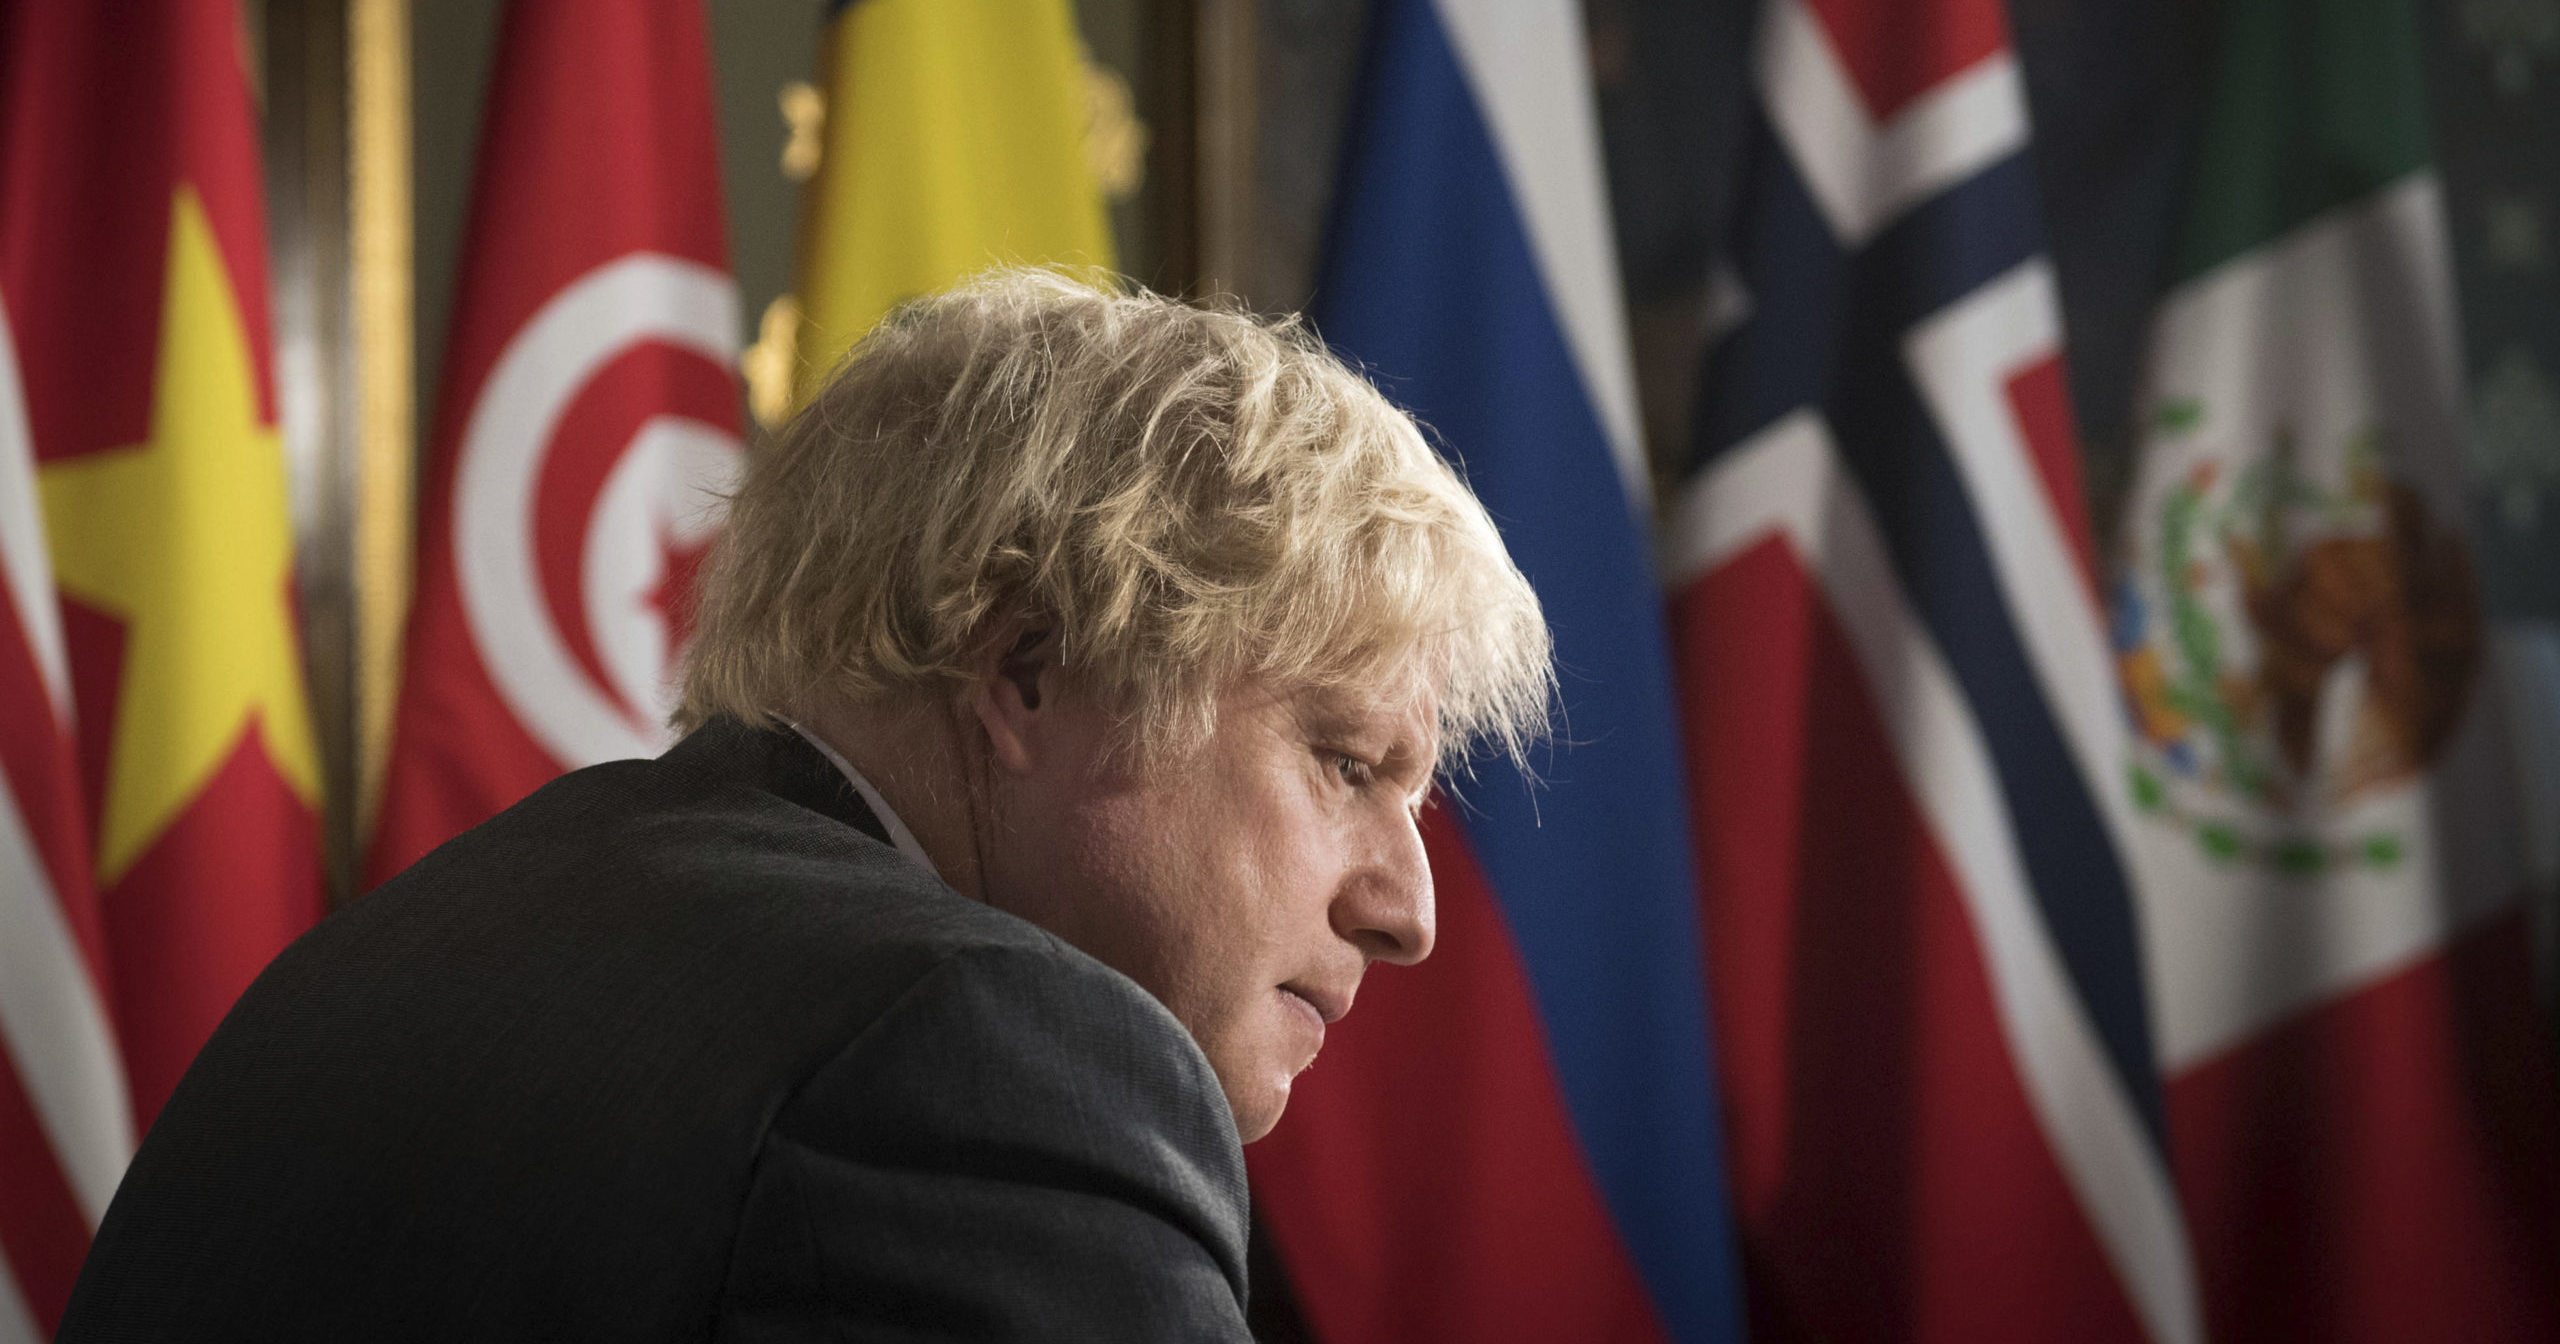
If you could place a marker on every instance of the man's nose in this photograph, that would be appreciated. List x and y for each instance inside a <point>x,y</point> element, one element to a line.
<point>1386,909</point>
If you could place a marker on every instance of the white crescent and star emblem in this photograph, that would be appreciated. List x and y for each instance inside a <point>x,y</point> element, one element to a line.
<point>656,510</point>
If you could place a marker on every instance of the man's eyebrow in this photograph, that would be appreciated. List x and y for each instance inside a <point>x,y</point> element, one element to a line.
<point>1391,733</point>
<point>1340,718</point>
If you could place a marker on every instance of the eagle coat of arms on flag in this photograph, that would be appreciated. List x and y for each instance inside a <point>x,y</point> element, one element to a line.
<point>2298,634</point>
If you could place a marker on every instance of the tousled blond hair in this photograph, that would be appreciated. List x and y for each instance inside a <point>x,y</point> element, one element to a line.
<point>1190,496</point>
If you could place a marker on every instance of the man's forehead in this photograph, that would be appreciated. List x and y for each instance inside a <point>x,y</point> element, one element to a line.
<point>1409,713</point>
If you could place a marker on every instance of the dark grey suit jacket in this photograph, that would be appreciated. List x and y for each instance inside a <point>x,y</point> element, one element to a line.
<point>681,1049</point>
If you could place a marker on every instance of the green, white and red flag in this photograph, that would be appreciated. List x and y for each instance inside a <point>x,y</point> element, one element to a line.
<point>2360,1105</point>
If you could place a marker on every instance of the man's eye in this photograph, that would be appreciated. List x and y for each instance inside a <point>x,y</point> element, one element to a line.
<point>1354,771</point>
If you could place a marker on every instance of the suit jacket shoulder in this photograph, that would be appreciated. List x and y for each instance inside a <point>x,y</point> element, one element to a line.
<point>994,1159</point>
<point>550,1081</point>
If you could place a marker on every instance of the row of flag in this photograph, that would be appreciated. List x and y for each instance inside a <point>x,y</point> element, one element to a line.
<point>1945,916</point>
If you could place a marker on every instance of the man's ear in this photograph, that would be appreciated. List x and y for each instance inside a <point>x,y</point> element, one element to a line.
<point>1009,695</point>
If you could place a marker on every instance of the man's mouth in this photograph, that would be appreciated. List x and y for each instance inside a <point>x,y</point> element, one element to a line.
<point>1310,1034</point>
<point>1328,1005</point>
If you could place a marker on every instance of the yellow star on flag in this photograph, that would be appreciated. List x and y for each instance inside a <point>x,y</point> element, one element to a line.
<point>188,540</point>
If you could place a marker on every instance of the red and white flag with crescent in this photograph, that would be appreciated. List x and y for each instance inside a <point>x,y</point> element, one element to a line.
<point>586,428</point>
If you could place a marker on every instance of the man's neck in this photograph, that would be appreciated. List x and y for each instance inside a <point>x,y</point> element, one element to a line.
<point>912,755</point>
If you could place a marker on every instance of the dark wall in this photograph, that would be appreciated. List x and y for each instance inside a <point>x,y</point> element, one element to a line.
<point>2496,78</point>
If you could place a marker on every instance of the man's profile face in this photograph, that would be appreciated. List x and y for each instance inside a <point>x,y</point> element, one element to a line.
<point>1247,884</point>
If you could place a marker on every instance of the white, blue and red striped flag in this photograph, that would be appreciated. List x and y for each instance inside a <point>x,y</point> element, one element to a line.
<point>1516,1140</point>
<point>1905,745</point>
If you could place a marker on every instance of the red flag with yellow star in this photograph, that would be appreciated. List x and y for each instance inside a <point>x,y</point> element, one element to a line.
<point>587,425</point>
<point>132,258</point>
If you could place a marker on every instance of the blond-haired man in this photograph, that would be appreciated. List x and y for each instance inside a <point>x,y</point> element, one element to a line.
<point>1068,680</point>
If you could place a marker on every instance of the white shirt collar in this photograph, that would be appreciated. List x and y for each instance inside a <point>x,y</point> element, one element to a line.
<point>899,835</point>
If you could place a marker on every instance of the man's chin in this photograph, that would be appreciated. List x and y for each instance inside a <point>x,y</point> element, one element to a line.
<point>1257,1109</point>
